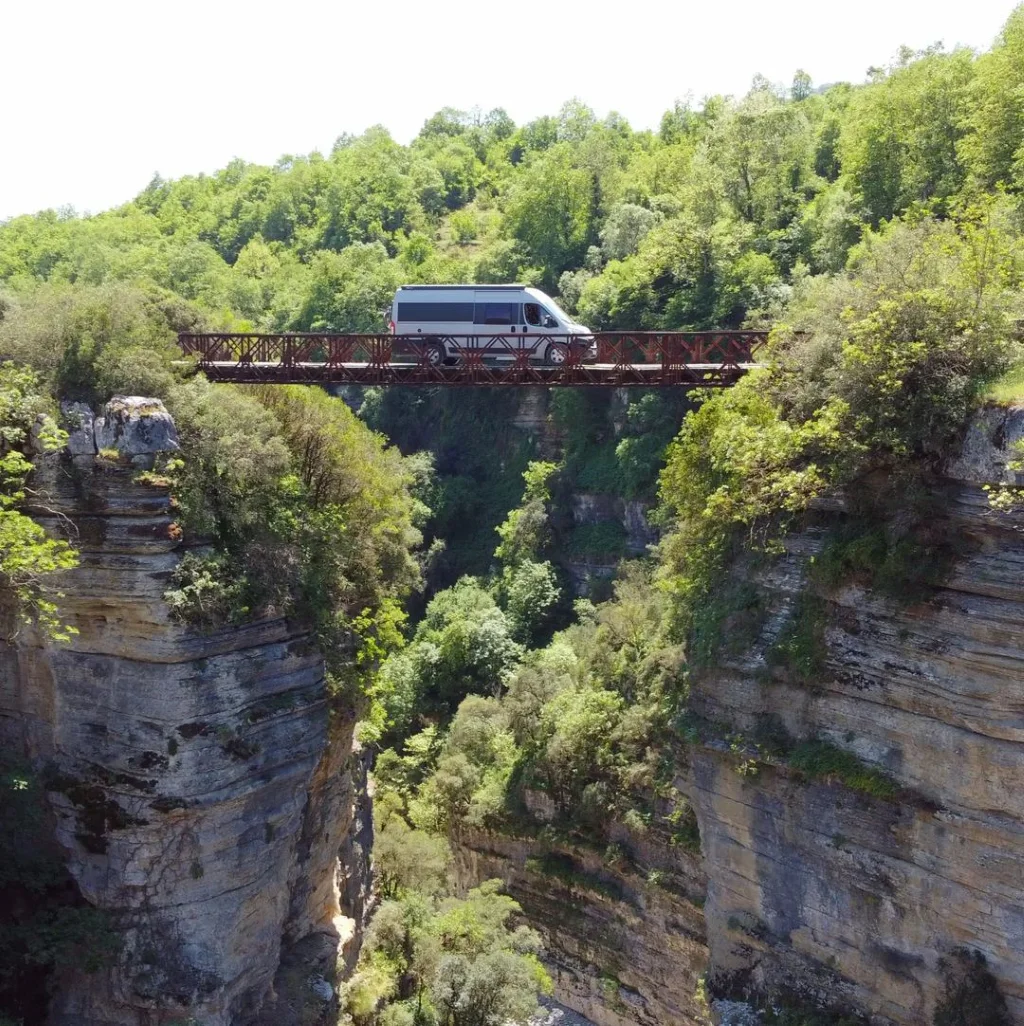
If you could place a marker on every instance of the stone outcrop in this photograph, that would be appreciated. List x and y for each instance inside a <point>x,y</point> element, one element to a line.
<point>132,426</point>
<point>202,791</point>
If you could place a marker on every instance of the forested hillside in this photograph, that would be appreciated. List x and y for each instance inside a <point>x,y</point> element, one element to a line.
<point>704,222</point>
<point>876,228</point>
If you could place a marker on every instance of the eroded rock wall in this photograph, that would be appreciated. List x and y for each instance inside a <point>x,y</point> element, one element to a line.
<point>814,888</point>
<point>845,897</point>
<point>624,936</point>
<point>201,788</point>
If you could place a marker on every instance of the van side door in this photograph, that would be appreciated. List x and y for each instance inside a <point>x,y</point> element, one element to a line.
<point>497,316</point>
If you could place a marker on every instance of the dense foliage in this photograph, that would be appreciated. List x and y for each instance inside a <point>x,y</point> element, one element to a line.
<point>582,719</point>
<point>876,228</point>
<point>708,219</point>
<point>447,962</point>
<point>28,556</point>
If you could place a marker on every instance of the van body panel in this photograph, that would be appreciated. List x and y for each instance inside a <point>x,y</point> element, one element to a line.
<point>516,317</point>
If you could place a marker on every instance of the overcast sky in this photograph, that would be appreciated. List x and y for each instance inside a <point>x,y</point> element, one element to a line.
<point>98,96</point>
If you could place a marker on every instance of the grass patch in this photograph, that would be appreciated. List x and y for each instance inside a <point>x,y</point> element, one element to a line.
<point>819,760</point>
<point>800,649</point>
<point>605,540</point>
<point>1009,388</point>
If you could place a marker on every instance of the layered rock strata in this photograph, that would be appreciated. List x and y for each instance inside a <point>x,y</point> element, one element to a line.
<point>815,889</point>
<point>850,899</point>
<point>201,790</point>
<point>623,929</point>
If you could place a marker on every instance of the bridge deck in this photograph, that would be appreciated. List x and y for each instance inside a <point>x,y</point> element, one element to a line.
<point>607,374</point>
<point>689,359</point>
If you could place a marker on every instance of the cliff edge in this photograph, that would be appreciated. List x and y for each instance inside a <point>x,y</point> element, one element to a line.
<point>202,790</point>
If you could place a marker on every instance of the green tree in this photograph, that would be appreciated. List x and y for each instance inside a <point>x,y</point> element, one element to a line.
<point>348,291</point>
<point>901,135</point>
<point>92,342</point>
<point>550,210</point>
<point>461,963</point>
<point>29,558</point>
<point>409,860</point>
<point>993,148</point>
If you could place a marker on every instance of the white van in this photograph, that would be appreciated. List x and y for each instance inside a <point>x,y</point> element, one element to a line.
<point>500,319</point>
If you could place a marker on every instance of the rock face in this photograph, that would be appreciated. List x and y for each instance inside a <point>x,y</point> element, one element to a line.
<point>853,899</point>
<point>624,938</point>
<point>201,790</point>
<point>812,887</point>
<point>130,425</point>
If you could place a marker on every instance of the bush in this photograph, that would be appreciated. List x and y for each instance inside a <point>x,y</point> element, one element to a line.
<point>800,648</point>
<point>604,541</point>
<point>92,342</point>
<point>904,567</point>
<point>29,559</point>
<point>529,593</point>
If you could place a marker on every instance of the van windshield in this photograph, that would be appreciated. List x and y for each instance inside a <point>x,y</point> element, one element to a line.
<point>558,312</point>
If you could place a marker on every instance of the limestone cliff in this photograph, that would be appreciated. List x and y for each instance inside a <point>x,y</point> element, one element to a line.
<point>852,899</point>
<point>623,929</point>
<point>202,789</point>
<point>813,888</point>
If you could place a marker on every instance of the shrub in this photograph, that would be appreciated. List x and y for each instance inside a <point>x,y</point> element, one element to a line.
<point>605,541</point>
<point>92,342</point>
<point>800,647</point>
<point>29,559</point>
<point>529,593</point>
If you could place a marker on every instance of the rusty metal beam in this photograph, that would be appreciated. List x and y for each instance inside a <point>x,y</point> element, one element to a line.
<point>623,359</point>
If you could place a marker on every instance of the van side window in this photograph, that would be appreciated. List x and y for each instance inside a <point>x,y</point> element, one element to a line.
<point>437,312</point>
<point>497,313</point>
<point>531,311</point>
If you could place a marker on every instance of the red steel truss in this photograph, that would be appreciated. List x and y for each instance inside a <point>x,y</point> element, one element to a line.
<point>688,358</point>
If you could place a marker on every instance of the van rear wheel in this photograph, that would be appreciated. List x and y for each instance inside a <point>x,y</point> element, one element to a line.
<point>556,354</point>
<point>435,354</point>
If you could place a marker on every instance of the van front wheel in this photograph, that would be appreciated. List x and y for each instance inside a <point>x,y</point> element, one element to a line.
<point>556,354</point>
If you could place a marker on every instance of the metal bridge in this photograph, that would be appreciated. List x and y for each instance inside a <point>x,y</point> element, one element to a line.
<point>615,359</point>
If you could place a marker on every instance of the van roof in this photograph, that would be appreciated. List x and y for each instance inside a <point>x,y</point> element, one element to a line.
<point>475,288</point>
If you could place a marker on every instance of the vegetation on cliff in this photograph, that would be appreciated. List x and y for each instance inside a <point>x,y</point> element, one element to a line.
<point>873,371</point>
<point>28,556</point>
<point>875,227</point>
<point>311,515</point>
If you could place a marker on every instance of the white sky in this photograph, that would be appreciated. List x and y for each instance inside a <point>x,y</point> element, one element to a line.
<point>98,96</point>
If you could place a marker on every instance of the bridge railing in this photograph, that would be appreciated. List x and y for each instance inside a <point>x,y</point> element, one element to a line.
<point>606,358</point>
